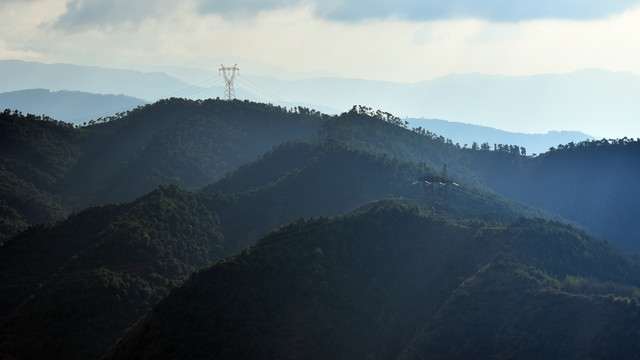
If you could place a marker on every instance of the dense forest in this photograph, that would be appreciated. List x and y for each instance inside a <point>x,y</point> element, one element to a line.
<point>308,236</point>
<point>139,250</point>
<point>389,282</point>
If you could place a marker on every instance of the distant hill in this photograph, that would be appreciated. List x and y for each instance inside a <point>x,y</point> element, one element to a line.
<point>467,134</point>
<point>596,102</point>
<point>69,106</point>
<point>149,86</point>
<point>387,282</point>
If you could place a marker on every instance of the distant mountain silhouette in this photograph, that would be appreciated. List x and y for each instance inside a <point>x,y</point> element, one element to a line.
<point>150,86</point>
<point>584,100</point>
<point>70,106</point>
<point>467,134</point>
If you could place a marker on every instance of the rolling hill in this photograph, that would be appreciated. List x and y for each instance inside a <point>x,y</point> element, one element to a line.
<point>116,261</point>
<point>388,282</point>
<point>192,143</point>
<point>51,168</point>
<point>589,182</point>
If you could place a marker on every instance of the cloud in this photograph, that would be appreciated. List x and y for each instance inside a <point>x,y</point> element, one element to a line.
<point>108,14</point>
<point>492,10</point>
<point>7,52</point>
<point>240,8</point>
<point>425,10</point>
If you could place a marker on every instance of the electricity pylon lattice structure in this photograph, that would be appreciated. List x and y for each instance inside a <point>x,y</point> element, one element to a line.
<point>229,74</point>
<point>443,182</point>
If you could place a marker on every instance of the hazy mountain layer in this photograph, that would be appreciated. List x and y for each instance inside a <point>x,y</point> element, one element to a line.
<point>69,106</point>
<point>467,134</point>
<point>151,86</point>
<point>596,102</point>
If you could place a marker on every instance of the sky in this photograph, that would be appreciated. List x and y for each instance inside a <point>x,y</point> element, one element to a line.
<point>404,40</point>
<point>398,41</point>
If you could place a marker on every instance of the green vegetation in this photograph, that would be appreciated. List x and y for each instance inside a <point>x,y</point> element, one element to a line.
<point>589,183</point>
<point>147,245</point>
<point>83,281</point>
<point>388,282</point>
<point>411,277</point>
<point>49,168</point>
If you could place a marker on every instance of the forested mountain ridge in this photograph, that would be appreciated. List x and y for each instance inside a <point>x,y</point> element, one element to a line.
<point>389,282</point>
<point>142,247</point>
<point>590,183</point>
<point>184,142</point>
<point>50,168</point>
<point>313,175</point>
<point>192,143</point>
<point>114,262</point>
<point>81,282</point>
<point>35,153</point>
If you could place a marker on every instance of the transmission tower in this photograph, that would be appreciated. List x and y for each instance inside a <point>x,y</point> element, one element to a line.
<point>229,74</point>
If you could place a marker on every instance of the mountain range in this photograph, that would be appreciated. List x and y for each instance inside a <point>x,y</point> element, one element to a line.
<point>235,229</point>
<point>467,134</point>
<point>601,102</point>
<point>74,107</point>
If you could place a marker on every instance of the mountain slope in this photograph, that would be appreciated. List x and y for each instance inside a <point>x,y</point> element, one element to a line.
<point>50,168</point>
<point>192,143</point>
<point>363,285</point>
<point>588,182</point>
<point>150,86</point>
<point>307,179</point>
<point>35,152</point>
<point>467,134</point>
<point>115,261</point>
<point>70,106</point>
<point>509,311</point>
<point>83,281</point>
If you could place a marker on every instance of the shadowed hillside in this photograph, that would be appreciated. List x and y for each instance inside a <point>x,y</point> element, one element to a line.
<point>49,168</point>
<point>380,283</point>
<point>590,183</point>
<point>116,261</point>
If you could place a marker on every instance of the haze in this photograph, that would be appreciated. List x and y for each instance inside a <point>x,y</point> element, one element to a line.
<point>402,41</point>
